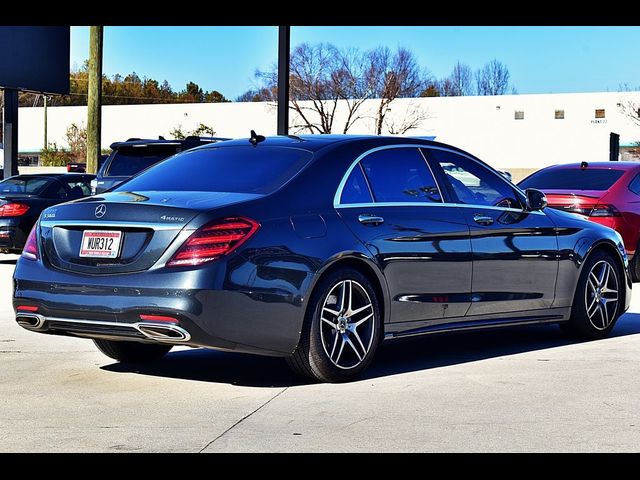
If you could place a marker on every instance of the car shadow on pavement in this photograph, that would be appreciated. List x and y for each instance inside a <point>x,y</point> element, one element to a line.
<point>395,357</point>
<point>8,261</point>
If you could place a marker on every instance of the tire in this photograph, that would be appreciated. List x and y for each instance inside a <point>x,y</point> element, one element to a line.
<point>634,266</point>
<point>338,347</point>
<point>592,319</point>
<point>132,352</point>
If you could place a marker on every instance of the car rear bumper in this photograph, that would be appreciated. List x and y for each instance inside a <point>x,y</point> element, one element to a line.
<point>219,307</point>
<point>12,237</point>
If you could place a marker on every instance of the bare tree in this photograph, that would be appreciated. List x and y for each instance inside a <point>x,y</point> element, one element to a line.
<point>459,83</point>
<point>411,118</point>
<point>352,84</point>
<point>320,76</point>
<point>392,75</point>
<point>493,78</point>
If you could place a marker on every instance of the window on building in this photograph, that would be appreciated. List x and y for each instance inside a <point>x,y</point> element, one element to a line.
<point>559,115</point>
<point>519,115</point>
<point>600,113</point>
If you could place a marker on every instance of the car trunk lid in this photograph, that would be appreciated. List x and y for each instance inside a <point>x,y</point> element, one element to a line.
<point>148,223</point>
<point>574,201</point>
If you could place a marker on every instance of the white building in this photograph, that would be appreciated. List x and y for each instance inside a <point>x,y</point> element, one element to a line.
<point>509,131</point>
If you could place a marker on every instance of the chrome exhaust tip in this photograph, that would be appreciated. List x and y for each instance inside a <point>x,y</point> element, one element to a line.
<point>163,333</point>
<point>30,321</point>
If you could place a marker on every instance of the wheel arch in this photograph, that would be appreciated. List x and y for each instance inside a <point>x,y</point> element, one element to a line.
<point>368,268</point>
<point>610,248</point>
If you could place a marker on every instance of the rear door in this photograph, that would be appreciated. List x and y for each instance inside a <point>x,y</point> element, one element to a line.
<point>515,251</point>
<point>392,203</point>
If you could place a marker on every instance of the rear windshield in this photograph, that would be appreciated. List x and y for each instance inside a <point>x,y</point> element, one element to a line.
<point>128,161</point>
<point>238,169</point>
<point>26,185</point>
<point>572,179</point>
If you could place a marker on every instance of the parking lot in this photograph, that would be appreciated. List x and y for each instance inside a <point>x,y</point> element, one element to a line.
<point>525,389</point>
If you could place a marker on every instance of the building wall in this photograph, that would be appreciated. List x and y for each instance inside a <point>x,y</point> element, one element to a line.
<point>484,126</point>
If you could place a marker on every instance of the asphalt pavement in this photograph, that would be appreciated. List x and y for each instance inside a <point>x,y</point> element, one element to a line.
<point>525,389</point>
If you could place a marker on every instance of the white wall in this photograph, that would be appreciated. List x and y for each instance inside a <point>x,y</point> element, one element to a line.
<point>475,124</point>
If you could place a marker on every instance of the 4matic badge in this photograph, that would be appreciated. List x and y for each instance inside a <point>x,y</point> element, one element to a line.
<point>168,218</point>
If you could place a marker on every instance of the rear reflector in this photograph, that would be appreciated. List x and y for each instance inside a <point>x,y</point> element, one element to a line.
<point>158,318</point>
<point>13,209</point>
<point>30,250</point>
<point>213,241</point>
<point>27,308</point>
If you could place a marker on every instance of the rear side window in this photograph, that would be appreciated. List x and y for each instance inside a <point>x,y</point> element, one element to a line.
<point>572,179</point>
<point>236,169</point>
<point>129,161</point>
<point>355,189</point>
<point>400,175</point>
<point>634,186</point>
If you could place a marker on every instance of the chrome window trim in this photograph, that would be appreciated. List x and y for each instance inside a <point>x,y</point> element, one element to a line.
<point>338,194</point>
<point>431,204</point>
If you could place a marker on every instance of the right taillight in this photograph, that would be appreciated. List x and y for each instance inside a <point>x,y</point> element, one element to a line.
<point>213,241</point>
<point>604,211</point>
<point>30,250</point>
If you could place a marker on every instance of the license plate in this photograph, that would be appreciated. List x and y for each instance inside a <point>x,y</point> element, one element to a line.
<point>100,243</point>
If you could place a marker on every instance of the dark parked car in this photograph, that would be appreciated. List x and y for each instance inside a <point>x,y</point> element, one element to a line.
<point>136,154</point>
<point>315,249</point>
<point>23,197</point>
<point>604,192</point>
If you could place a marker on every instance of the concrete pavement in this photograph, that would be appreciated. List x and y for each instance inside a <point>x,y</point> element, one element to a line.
<point>526,389</point>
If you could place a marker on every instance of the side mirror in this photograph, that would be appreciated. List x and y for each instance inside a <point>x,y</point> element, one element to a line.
<point>536,199</point>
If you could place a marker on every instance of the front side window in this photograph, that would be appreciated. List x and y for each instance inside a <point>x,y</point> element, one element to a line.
<point>400,175</point>
<point>78,188</point>
<point>471,183</point>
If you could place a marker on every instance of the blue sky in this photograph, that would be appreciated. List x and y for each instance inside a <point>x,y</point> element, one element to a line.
<point>540,59</point>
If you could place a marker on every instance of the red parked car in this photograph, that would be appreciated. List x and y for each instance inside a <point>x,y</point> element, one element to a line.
<point>605,192</point>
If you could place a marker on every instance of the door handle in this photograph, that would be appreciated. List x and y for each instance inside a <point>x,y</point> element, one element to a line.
<point>482,219</point>
<point>369,219</point>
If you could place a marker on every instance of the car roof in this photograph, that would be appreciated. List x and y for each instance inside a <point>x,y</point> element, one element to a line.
<point>597,165</point>
<point>51,175</point>
<point>314,143</point>
<point>132,142</point>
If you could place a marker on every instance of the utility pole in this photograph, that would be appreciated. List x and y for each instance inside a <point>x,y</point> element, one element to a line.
<point>94,99</point>
<point>46,144</point>
<point>284,42</point>
<point>10,113</point>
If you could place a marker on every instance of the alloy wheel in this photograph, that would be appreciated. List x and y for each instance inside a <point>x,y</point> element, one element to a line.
<point>347,324</point>
<point>602,295</point>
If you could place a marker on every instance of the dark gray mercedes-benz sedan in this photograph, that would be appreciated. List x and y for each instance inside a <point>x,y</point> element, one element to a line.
<point>314,248</point>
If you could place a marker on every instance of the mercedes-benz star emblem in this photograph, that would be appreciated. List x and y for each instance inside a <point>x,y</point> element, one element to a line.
<point>101,210</point>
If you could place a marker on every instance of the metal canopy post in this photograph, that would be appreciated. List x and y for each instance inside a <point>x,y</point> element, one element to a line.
<point>10,132</point>
<point>284,41</point>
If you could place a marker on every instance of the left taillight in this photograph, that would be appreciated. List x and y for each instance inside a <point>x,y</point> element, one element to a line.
<point>213,241</point>
<point>13,209</point>
<point>30,250</point>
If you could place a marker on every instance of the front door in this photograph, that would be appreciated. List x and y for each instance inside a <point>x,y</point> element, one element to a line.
<point>394,206</point>
<point>515,262</point>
